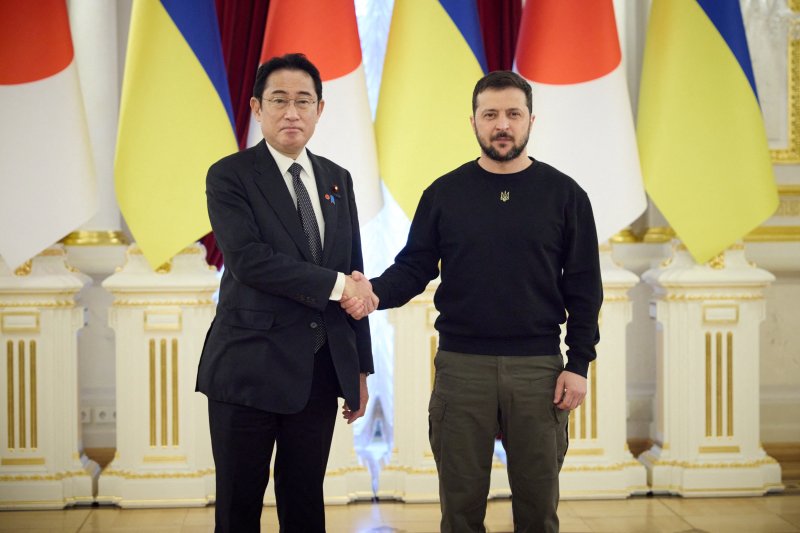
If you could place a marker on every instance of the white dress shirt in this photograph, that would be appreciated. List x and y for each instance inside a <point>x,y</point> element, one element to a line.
<point>308,179</point>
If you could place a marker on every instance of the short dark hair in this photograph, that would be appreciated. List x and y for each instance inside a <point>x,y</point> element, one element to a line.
<point>286,62</point>
<point>502,79</point>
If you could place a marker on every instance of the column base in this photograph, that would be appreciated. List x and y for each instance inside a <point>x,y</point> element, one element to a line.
<point>45,490</point>
<point>741,476</point>
<point>611,480</point>
<point>138,489</point>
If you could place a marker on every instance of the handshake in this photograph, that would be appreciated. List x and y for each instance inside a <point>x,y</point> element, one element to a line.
<point>358,300</point>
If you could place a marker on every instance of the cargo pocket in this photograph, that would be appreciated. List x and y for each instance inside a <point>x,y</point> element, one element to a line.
<point>561,433</point>
<point>436,410</point>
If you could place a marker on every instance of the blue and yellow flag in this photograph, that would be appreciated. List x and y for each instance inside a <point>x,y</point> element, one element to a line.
<point>175,121</point>
<point>702,142</point>
<point>434,57</point>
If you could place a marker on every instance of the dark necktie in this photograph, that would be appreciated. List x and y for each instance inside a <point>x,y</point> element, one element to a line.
<point>309,222</point>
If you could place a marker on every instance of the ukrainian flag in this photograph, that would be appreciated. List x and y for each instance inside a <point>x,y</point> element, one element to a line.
<point>434,57</point>
<point>175,121</point>
<point>702,142</point>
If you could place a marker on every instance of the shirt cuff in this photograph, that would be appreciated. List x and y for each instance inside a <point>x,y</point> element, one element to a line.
<point>338,288</point>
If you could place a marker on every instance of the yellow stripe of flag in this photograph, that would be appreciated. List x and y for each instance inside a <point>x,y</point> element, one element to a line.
<point>702,142</point>
<point>173,126</point>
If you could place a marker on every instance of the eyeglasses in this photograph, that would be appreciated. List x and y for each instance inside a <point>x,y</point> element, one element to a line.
<point>279,104</point>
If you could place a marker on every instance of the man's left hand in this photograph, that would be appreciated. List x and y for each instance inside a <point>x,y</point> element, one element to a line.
<point>570,390</point>
<point>352,416</point>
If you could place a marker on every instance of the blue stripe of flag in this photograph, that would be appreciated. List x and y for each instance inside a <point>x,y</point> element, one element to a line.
<point>464,14</point>
<point>197,22</point>
<point>727,18</point>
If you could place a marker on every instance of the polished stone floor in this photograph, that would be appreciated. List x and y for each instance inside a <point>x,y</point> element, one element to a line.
<point>769,514</point>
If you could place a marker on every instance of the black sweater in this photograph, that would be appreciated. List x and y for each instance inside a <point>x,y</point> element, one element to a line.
<point>511,270</point>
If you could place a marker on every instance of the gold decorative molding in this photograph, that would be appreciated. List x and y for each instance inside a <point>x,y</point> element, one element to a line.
<point>24,269</point>
<point>45,477</point>
<point>672,297</point>
<point>774,234</point>
<point>21,461</point>
<point>624,236</point>
<point>794,5</point>
<point>788,206</point>
<point>659,234</point>
<point>345,470</point>
<point>164,459</point>
<point>32,325</point>
<point>717,262</point>
<point>719,449</point>
<point>734,464</point>
<point>128,474</point>
<point>48,304</point>
<point>409,470</point>
<point>791,154</point>
<point>95,238</point>
<point>53,252</point>
<point>131,301</point>
<point>600,468</point>
<point>586,451</point>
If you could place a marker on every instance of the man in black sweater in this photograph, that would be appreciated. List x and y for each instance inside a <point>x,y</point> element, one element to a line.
<point>518,250</point>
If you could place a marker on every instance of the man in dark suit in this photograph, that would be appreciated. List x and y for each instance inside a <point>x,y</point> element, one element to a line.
<point>281,350</point>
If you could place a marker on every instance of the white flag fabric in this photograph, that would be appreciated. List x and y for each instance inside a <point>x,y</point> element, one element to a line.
<point>570,53</point>
<point>47,179</point>
<point>344,133</point>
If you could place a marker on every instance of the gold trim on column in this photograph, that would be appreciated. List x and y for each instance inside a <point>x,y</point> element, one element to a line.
<point>163,379</point>
<point>32,325</point>
<point>164,459</point>
<point>659,234</point>
<point>586,451</point>
<point>22,461</point>
<point>572,424</point>
<point>774,234</point>
<point>593,385</point>
<point>719,449</point>
<point>719,384</point>
<point>23,428</point>
<point>34,399</point>
<point>791,154</point>
<point>730,383</point>
<point>624,236</point>
<point>717,262</point>
<point>95,238</point>
<point>10,393</point>
<point>24,269</point>
<point>175,411</point>
<point>152,392</point>
<point>582,409</point>
<point>708,384</point>
<point>434,347</point>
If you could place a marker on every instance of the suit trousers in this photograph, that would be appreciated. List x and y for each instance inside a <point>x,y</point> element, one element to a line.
<point>242,440</point>
<point>474,397</point>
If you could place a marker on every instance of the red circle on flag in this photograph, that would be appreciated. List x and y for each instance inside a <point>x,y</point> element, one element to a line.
<point>35,41</point>
<point>562,42</point>
<point>326,32</point>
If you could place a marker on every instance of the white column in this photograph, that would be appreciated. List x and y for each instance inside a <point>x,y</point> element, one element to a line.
<point>163,456</point>
<point>707,341</point>
<point>411,473</point>
<point>42,465</point>
<point>98,247</point>
<point>599,463</point>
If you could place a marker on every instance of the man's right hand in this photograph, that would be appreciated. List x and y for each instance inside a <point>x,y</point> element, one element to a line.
<point>358,300</point>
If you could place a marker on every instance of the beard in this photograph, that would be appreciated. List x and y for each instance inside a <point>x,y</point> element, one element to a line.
<point>513,153</point>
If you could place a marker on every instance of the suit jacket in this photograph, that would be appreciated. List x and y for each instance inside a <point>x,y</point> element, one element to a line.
<point>259,349</point>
